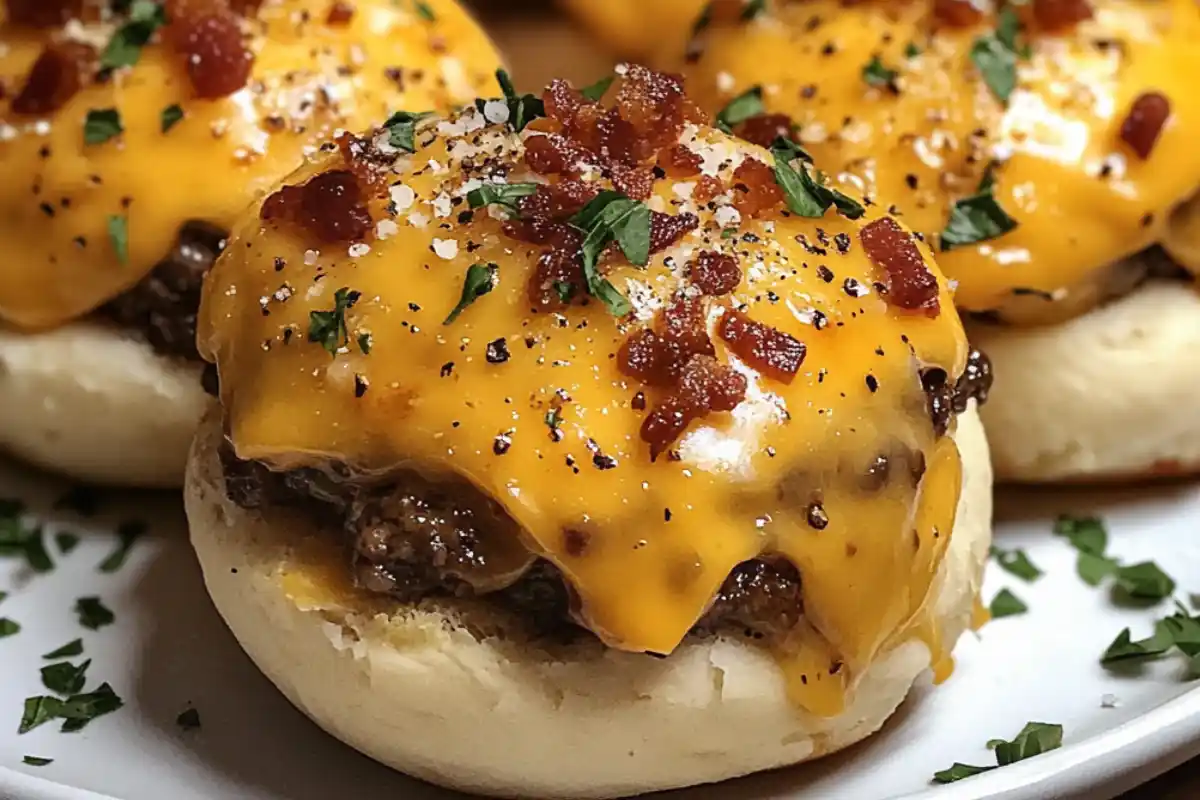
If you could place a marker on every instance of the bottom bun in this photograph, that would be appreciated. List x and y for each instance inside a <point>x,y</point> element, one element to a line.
<point>453,693</point>
<point>92,402</point>
<point>1104,396</point>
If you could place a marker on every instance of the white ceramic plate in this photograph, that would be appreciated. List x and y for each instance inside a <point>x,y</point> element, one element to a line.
<point>168,651</point>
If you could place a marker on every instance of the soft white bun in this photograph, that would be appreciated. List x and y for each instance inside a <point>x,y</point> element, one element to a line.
<point>1109,394</point>
<point>91,402</point>
<point>450,693</point>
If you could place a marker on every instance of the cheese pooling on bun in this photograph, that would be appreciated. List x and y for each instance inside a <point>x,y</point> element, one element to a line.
<point>131,138</point>
<point>603,375</point>
<point>1043,150</point>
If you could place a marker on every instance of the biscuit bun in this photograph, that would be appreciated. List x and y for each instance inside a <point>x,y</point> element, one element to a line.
<point>97,404</point>
<point>455,694</point>
<point>1121,373</point>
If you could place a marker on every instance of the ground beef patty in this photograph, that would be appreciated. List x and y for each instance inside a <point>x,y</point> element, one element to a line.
<point>163,305</point>
<point>415,538</point>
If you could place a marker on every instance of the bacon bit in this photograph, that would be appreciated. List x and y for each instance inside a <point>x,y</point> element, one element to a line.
<point>1055,15</point>
<point>208,36</point>
<point>957,13</point>
<point>666,230</point>
<point>43,13</point>
<point>715,274</point>
<point>707,188</point>
<point>637,182</point>
<point>681,162</point>
<point>340,13</point>
<point>555,154</point>
<point>372,168</point>
<point>910,285</point>
<point>764,129</point>
<point>245,8</point>
<point>57,75</point>
<point>558,266</point>
<point>772,352</point>
<point>705,386</point>
<point>1145,121</point>
<point>754,188</point>
<point>654,104</point>
<point>657,356</point>
<point>329,206</point>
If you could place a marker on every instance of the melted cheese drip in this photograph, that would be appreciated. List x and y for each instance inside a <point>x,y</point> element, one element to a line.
<point>1061,129</point>
<point>660,537</point>
<point>309,79</point>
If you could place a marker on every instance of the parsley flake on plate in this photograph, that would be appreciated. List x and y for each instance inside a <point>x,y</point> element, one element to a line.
<point>1016,562</point>
<point>66,541</point>
<point>93,614</point>
<point>1006,604</point>
<point>188,719</point>
<point>65,677</point>
<point>8,628</point>
<point>1034,739</point>
<point>68,650</point>
<point>36,761</point>
<point>128,532</point>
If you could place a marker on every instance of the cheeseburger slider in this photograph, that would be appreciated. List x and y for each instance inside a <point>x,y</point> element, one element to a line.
<point>131,136</point>
<point>1047,153</point>
<point>578,450</point>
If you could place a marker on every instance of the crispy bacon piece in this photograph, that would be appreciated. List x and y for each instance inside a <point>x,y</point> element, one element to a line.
<point>957,13</point>
<point>658,356</point>
<point>909,283</point>
<point>1145,121</point>
<point>1056,15</point>
<point>763,129</point>
<point>340,13</point>
<point>754,188</point>
<point>43,13</point>
<point>715,274</point>
<point>208,35</point>
<point>769,350</point>
<point>680,162</point>
<point>705,386</point>
<point>667,229</point>
<point>329,207</point>
<point>59,72</point>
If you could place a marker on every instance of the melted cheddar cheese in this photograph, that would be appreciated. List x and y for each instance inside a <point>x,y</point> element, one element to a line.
<point>638,29</point>
<point>1081,197</point>
<point>659,537</point>
<point>309,79</point>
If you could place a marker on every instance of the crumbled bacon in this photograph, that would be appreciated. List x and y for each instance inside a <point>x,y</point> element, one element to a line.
<point>371,167</point>
<point>1056,15</point>
<point>340,13</point>
<point>43,13</point>
<point>635,182</point>
<point>764,129</point>
<point>707,188</point>
<point>58,73</point>
<point>558,276</point>
<point>655,105</point>
<point>1145,121</point>
<point>705,386</point>
<point>667,229</point>
<point>555,154</point>
<point>209,37</point>
<point>769,350</point>
<point>680,162</point>
<point>715,274</point>
<point>656,356</point>
<point>754,188</point>
<point>957,13</point>
<point>909,283</point>
<point>330,207</point>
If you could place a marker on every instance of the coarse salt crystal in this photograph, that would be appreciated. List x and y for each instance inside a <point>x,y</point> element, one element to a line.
<point>495,111</point>
<point>727,216</point>
<point>385,228</point>
<point>403,196</point>
<point>725,82</point>
<point>358,249</point>
<point>445,248</point>
<point>311,256</point>
<point>1109,701</point>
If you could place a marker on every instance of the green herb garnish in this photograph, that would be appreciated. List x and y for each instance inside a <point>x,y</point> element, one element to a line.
<point>66,541</point>
<point>480,279</point>
<point>125,47</point>
<point>807,196</point>
<point>875,74</point>
<point>36,761</point>
<point>170,116</point>
<point>65,677</point>
<point>753,9</point>
<point>68,650</point>
<point>188,719</point>
<point>977,218</point>
<point>500,194</point>
<point>80,709</point>
<point>364,343</point>
<point>1016,562</point>
<point>8,627</point>
<point>328,328</point>
<point>995,54</point>
<point>522,108</point>
<point>596,91</point>
<point>402,129</point>
<point>118,235</point>
<point>83,500</point>
<point>127,533</point>
<point>1144,581</point>
<point>741,108</point>
<point>38,711</point>
<point>608,217</point>
<point>101,124</point>
<point>911,50</point>
<point>20,540</point>
<point>1034,739</point>
<point>1006,604</point>
<point>93,614</point>
<point>424,11</point>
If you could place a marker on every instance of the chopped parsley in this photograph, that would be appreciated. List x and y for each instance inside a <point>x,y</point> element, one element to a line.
<point>65,677</point>
<point>911,50</point>
<point>20,540</point>
<point>500,194</point>
<point>80,709</point>
<point>118,235</point>
<point>607,217</point>
<point>522,108</point>
<point>977,218</point>
<point>1179,630</point>
<point>1016,562</point>
<point>125,46</point>
<point>93,614</point>
<point>402,129</point>
<point>879,76</point>
<point>328,328</point>
<point>995,54</point>
<point>807,196</point>
<point>127,533</point>
<point>424,11</point>
<point>741,108</point>
<point>101,124</point>
<point>8,627</point>
<point>170,116</point>
<point>68,650</point>
<point>1143,581</point>
<point>1034,739</point>
<point>480,279</point>
<point>66,541</point>
<point>188,719</point>
<point>1006,604</point>
<point>596,91</point>
<point>38,711</point>
<point>36,761</point>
